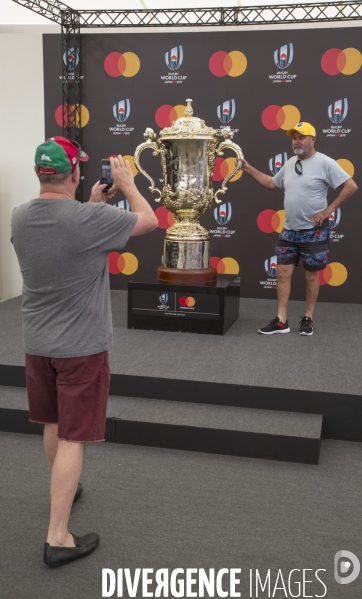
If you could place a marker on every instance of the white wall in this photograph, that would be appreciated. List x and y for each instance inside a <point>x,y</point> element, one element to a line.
<point>21,130</point>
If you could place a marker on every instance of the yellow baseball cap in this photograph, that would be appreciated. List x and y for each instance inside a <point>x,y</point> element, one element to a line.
<point>304,129</point>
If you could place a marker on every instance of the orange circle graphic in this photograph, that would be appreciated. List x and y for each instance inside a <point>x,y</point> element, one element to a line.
<point>121,263</point>
<point>346,165</point>
<point>335,274</point>
<point>238,64</point>
<point>126,263</point>
<point>225,266</point>
<point>121,64</point>
<point>131,163</point>
<point>133,64</point>
<point>130,263</point>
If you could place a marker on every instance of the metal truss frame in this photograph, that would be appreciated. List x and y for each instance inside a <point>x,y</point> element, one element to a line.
<point>236,16</point>
<point>72,79</point>
<point>318,12</point>
<point>50,9</point>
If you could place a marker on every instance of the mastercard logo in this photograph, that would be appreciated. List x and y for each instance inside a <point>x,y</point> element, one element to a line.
<point>117,64</point>
<point>346,165</point>
<point>130,160</point>
<point>228,63</point>
<point>336,61</point>
<point>223,167</point>
<point>270,221</point>
<point>225,266</point>
<point>334,274</point>
<point>187,301</point>
<point>126,263</point>
<point>280,117</point>
<point>74,120</point>
<point>165,218</point>
<point>165,115</point>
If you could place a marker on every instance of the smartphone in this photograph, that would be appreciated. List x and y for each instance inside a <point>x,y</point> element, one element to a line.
<point>106,174</point>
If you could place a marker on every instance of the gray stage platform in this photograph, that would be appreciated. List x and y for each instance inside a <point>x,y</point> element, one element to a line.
<point>240,394</point>
<point>328,361</point>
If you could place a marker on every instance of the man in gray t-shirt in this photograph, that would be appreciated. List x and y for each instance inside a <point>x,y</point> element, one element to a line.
<point>62,247</point>
<point>305,179</point>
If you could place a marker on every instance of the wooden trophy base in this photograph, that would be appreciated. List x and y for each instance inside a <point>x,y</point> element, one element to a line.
<point>178,275</point>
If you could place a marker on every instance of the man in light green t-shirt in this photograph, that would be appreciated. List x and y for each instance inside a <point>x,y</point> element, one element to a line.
<point>305,179</point>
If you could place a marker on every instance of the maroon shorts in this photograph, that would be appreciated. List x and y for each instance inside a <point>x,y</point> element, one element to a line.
<point>72,392</point>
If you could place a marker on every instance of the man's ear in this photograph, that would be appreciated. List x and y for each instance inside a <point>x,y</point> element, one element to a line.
<point>76,174</point>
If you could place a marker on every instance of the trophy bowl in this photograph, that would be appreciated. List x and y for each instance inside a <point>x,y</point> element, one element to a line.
<point>188,151</point>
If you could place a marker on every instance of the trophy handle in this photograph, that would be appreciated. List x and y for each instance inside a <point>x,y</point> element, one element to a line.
<point>149,135</point>
<point>228,135</point>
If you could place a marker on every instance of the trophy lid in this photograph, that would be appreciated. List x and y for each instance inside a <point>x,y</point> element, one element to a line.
<point>188,127</point>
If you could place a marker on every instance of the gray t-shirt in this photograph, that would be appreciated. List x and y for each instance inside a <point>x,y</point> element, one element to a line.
<point>62,247</point>
<point>305,195</point>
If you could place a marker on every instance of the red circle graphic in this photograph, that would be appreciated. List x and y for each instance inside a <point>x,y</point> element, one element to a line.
<point>111,64</point>
<point>264,221</point>
<point>329,61</point>
<point>269,117</point>
<point>165,218</point>
<point>216,63</point>
<point>165,115</point>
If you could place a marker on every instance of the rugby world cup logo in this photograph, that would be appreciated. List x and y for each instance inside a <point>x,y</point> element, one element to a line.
<point>337,112</point>
<point>271,266</point>
<point>71,59</point>
<point>284,56</point>
<point>121,110</point>
<point>163,298</point>
<point>174,58</point>
<point>276,163</point>
<point>222,214</point>
<point>334,218</point>
<point>226,111</point>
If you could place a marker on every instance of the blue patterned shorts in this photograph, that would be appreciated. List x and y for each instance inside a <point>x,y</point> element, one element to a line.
<point>312,245</point>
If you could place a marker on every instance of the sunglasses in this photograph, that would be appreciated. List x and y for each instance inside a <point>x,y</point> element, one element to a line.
<point>298,167</point>
<point>76,144</point>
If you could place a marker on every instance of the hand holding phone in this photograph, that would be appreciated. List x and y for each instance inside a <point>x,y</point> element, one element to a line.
<point>106,174</point>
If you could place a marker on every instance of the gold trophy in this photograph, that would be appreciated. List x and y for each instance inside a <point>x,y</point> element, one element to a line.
<point>188,152</point>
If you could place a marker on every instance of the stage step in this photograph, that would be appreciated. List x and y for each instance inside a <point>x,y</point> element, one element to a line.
<point>246,432</point>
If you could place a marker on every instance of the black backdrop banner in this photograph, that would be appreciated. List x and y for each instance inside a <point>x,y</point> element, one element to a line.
<point>260,83</point>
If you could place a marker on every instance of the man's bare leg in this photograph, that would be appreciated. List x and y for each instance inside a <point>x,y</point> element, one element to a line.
<point>312,281</point>
<point>66,471</point>
<point>284,281</point>
<point>50,443</point>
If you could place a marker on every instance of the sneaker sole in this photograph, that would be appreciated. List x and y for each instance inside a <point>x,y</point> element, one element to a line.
<point>307,334</point>
<point>272,332</point>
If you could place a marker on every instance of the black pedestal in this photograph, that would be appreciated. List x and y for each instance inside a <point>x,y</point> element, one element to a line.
<point>209,308</point>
